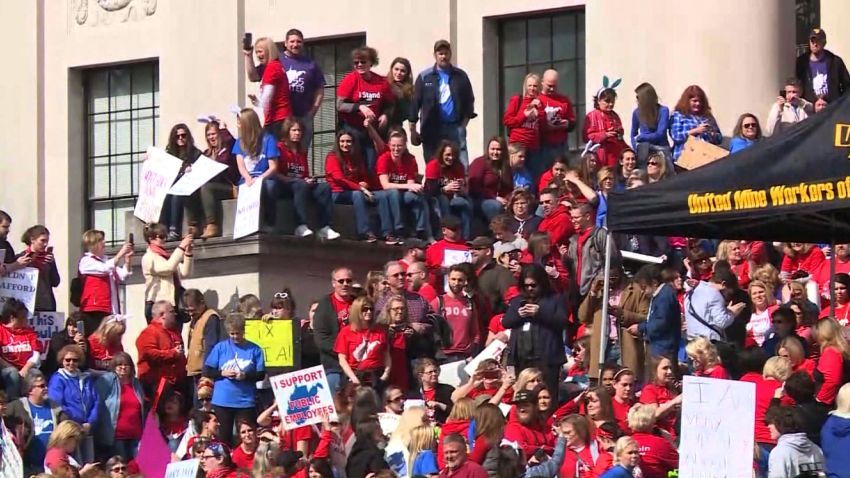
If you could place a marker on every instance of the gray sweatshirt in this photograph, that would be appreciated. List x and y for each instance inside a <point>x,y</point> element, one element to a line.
<point>793,451</point>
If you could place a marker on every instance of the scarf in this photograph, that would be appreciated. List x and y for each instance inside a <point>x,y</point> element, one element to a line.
<point>38,258</point>
<point>158,250</point>
<point>220,472</point>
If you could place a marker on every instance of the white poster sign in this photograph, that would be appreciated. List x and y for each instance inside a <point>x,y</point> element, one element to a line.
<point>183,469</point>
<point>158,174</point>
<point>452,373</point>
<point>389,422</point>
<point>247,220</point>
<point>46,325</point>
<point>203,169</point>
<point>492,351</point>
<point>718,421</point>
<point>21,285</point>
<point>303,397</point>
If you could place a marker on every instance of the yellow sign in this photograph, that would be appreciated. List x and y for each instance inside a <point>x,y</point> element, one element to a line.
<point>275,338</point>
<point>842,136</point>
<point>774,196</point>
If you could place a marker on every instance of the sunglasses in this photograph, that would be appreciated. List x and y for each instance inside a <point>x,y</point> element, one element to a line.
<point>652,163</point>
<point>281,295</point>
<point>181,135</point>
<point>749,125</point>
<point>360,62</point>
<point>396,399</point>
<point>71,360</point>
<point>345,281</point>
<point>116,469</point>
<point>411,274</point>
<point>366,309</point>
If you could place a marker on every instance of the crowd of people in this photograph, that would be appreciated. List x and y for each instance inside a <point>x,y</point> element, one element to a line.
<point>583,389</point>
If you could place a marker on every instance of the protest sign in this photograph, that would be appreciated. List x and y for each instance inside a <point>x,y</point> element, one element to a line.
<point>492,351</point>
<point>158,174</point>
<point>414,402</point>
<point>183,469</point>
<point>452,373</point>
<point>718,421</point>
<point>275,338</point>
<point>697,153</point>
<point>389,422</point>
<point>47,324</point>
<point>303,397</point>
<point>203,169</point>
<point>11,465</point>
<point>21,285</point>
<point>247,220</point>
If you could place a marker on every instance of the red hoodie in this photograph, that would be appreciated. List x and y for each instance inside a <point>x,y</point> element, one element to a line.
<point>765,390</point>
<point>809,262</point>
<point>461,427</point>
<point>523,130</point>
<point>529,438</point>
<point>559,225</point>
<point>434,256</point>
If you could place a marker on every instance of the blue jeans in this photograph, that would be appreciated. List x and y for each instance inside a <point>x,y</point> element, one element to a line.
<point>367,147</point>
<point>415,202</point>
<point>300,191</point>
<point>536,164</point>
<point>268,200</point>
<point>172,212</point>
<point>459,206</point>
<point>453,132</point>
<point>334,380</point>
<point>361,211</point>
<point>490,208</point>
<point>764,458</point>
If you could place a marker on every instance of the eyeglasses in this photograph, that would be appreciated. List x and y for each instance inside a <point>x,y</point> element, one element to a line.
<point>430,372</point>
<point>652,163</point>
<point>411,274</point>
<point>117,469</point>
<point>344,281</point>
<point>749,125</point>
<point>360,62</point>
<point>71,360</point>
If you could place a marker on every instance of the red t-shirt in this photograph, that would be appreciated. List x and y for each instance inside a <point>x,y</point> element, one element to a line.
<point>557,108</point>
<point>341,308</point>
<point>398,173</point>
<point>398,354</point>
<point>100,355</point>
<point>374,93</point>
<point>621,414</point>
<point>429,395</point>
<point>129,423</point>
<point>292,164</point>
<point>364,349</point>
<point>18,344</point>
<point>495,324</point>
<point>714,372</point>
<point>345,175</point>
<point>435,170</point>
<point>464,325</point>
<point>278,108</point>
<point>765,390</point>
<point>289,438</point>
<point>506,398</point>
<point>427,292</point>
<point>657,395</point>
<point>657,455</point>
<point>242,459</point>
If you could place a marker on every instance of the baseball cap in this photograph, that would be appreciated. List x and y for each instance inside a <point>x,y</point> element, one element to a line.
<point>505,247</point>
<point>440,44</point>
<point>288,459</point>
<point>524,396</point>
<point>451,222</point>
<point>481,242</point>
<point>818,34</point>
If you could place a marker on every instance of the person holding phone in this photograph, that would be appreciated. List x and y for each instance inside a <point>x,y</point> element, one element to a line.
<point>789,108</point>
<point>692,117</point>
<point>41,257</point>
<point>489,379</point>
<point>523,117</point>
<point>100,277</point>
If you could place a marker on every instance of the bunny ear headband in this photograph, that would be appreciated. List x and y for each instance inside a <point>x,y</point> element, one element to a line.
<point>118,318</point>
<point>590,147</point>
<point>607,86</point>
<point>509,444</point>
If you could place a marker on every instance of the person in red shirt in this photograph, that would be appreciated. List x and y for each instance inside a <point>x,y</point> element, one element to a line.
<point>20,350</point>
<point>274,90</point>
<point>105,342</point>
<point>363,346</point>
<point>243,454</point>
<point>791,347</point>
<point>490,180</point>
<point>830,372</point>
<point>527,427</point>
<point>461,314</point>
<point>160,351</point>
<point>445,182</point>
<point>522,117</point>
<point>417,281</point>
<point>823,274</point>
<point>457,462</point>
<point>705,360</point>
<point>841,284</point>
<point>556,218</point>
<point>662,394</point>
<point>446,252</point>
<point>657,453</point>
<point>559,117</point>
<point>585,458</point>
<point>399,333</point>
<point>801,262</point>
<point>559,168</point>
<point>489,379</point>
<point>364,95</point>
<point>397,172</point>
<point>623,399</point>
<point>603,126</point>
<point>542,251</point>
<point>752,363</point>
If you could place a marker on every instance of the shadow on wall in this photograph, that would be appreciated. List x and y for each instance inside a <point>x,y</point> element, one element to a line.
<point>213,300</point>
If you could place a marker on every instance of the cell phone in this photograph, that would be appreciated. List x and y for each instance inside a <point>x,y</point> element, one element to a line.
<point>511,370</point>
<point>81,327</point>
<point>247,41</point>
<point>49,249</point>
<point>130,239</point>
<point>492,374</point>
<point>782,93</point>
<point>523,303</point>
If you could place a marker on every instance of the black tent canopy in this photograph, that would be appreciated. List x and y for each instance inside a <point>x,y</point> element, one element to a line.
<point>792,187</point>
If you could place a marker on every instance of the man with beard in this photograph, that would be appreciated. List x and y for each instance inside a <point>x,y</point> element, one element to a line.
<point>414,252</point>
<point>528,429</point>
<point>417,309</point>
<point>461,314</point>
<point>493,281</point>
<point>417,281</point>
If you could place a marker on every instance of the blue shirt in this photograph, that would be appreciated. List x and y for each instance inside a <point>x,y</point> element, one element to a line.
<point>425,464</point>
<point>739,143</point>
<point>246,358</point>
<point>42,427</point>
<point>522,179</point>
<point>257,165</point>
<point>447,103</point>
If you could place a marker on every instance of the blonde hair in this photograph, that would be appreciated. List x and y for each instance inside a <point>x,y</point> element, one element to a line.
<point>829,333</point>
<point>794,347</point>
<point>355,314</point>
<point>269,47</point>
<point>250,132</point>
<point>514,148</point>
<point>525,376</point>
<point>704,350</point>
<point>768,291</point>
<point>622,444</point>
<point>641,417</point>
<point>463,409</point>
<point>411,418</point>
<point>421,438</point>
<point>723,249</point>
<point>778,368</point>
<point>64,431</point>
<point>603,172</point>
<point>384,316</point>
<point>109,327</point>
<point>529,77</point>
<point>91,238</point>
<point>766,273</point>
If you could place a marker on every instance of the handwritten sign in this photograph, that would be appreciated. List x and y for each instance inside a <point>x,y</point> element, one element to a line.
<point>303,397</point>
<point>203,169</point>
<point>158,174</point>
<point>275,338</point>
<point>183,469</point>
<point>247,220</point>
<point>492,351</point>
<point>718,421</point>
<point>389,422</point>
<point>46,325</point>
<point>21,285</point>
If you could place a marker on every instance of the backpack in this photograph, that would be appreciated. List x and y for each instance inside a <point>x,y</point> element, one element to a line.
<point>442,335</point>
<point>76,289</point>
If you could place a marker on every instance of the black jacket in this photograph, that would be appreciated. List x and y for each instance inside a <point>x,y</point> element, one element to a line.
<point>443,395</point>
<point>426,97</point>
<point>325,330</point>
<point>837,79</point>
<point>546,330</point>
<point>365,458</point>
<point>48,278</point>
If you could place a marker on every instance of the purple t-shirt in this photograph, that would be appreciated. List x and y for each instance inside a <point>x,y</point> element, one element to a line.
<point>305,78</point>
<point>819,77</point>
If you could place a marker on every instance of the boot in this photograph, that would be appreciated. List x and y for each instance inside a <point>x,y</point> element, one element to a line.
<point>193,229</point>
<point>211,230</point>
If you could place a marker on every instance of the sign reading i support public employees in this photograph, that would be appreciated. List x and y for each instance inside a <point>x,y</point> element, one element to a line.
<point>303,397</point>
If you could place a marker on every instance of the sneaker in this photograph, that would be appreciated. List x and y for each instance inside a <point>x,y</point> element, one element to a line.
<point>390,240</point>
<point>303,231</point>
<point>328,233</point>
<point>371,238</point>
<point>172,236</point>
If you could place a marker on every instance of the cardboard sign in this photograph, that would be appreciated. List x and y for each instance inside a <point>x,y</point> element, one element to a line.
<point>46,325</point>
<point>183,469</point>
<point>303,397</point>
<point>21,285</point>
<point>158,174</point>
<point>718,422</point>
<point>389,422</point>
<point>247,220</point>
<point>203,169</point>
<point>492,351</point>
<point>697,152</point>
<point>275,338</point>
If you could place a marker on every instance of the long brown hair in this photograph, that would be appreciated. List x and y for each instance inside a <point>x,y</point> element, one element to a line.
<point>288,124</point>
<point>489,423</point>
<point>502,165</point>
<point>250,132</point>
<point>647,100</point>
<point>694,91</point>
<point>355,156</point>
<point>406,85</point>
